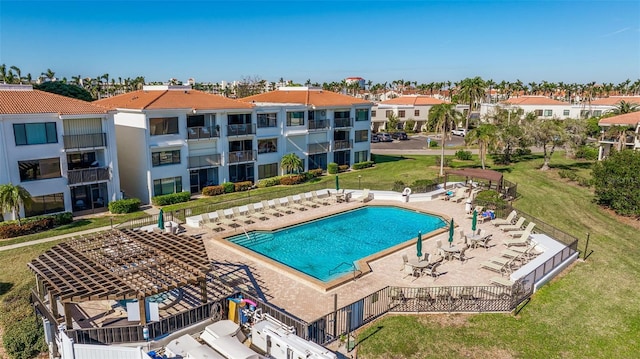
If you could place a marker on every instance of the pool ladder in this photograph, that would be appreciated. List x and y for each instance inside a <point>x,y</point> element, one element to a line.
<point>351,267</point>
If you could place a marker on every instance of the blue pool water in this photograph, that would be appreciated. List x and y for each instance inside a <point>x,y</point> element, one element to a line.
<point>327,248</point>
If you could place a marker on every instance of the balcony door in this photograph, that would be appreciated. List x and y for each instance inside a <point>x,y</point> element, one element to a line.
<point>202,178</point>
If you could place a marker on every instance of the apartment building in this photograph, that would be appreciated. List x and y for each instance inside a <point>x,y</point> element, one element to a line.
<point>541,106</point>
<point>61,150</point>
<point>625,136</point>
<point>601,106</point>
<point>412,109</point>
<point>318,126</point>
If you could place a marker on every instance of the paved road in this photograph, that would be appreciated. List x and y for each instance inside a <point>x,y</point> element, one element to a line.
<point>417,145</point>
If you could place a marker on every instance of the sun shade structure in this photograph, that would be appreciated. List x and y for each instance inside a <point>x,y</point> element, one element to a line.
<point>476,173</point>
<point>119,265</point>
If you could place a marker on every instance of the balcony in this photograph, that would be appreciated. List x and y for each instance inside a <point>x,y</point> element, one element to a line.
<point>242,156</point>
<point>314,148</point>
<point>343,122</point>
<point>629,140</point>
<point>84,141</point>
<point>342,145</point>
<point>202,133</point>
<point>241,129</point>
<point>88,175</point>
<point>204,161</point>
<point>318,125</point>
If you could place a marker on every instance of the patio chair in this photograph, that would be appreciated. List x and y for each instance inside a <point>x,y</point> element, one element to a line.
<point>522,238</point>
<point>524,233</point>
<point>484,242</point>
<point>282,207</point>
<point>396,294</point>
<point>405,260</point>
<point>365,197</point>
<point>478,210</point>
<point>253,213</point>
<point>461,255</point>
<point>500,281</point>
<point>496,267</point>
<point>506,221</point>
<point>513,227</point>
<point>209,222</point>
<point>462,238</point>
<point>246,219</point>
<point>323,200</point>
<point>223,219</point>
<point>308,202</point>
<point>295,204</point>
<point>266,208</point>
<point>432,270</point>
<point>460,195</point>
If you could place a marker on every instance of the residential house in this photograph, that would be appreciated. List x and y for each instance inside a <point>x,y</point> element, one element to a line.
<point>318,126</point>
<point>627,134</point>
<point>406,108</point>
<point>172,138</point>
<point>62,150</point>
<point>541,106</point>
<point>601,106</point>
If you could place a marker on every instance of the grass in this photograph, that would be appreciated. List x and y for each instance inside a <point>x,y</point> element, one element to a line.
<point>591,311</point>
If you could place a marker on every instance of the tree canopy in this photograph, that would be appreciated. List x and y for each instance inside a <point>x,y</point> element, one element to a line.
<point>63,89</point>
<point>291,163</point>
<point>12,198</point>
<point>617,182</point>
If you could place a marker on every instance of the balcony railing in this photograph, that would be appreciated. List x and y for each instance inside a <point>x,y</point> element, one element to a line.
<point>318,124</point>
<point>242,129</point>
<point>342,145</point>
<point>204,161</point>
<point>318,147</point>
<point>242,156</point>
<point>88,175</point>
<point>85,141</point>
<point>343,122</point>
<point>202,133</point>
<point>629,140</point>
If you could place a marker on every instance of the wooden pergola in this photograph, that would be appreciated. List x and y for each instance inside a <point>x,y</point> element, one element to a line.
<point>492,176</point>
<point>119,265</point>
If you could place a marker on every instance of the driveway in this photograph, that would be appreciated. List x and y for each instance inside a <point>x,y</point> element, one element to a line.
<point>417,145</point>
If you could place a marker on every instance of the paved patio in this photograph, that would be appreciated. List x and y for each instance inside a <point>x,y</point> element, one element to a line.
<point>304,300</point>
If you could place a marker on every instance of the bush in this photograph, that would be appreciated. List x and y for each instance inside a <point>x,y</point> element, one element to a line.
<point>568,174</point>
<point>587,153</point>
<point>447,161</point>
<point>398,186</point>
<point>423,186</point>
<point>229,187</point>
<point>332,168</point>
<point>60,219</point>
<point>361,165</point>
<point>269,182</point>
<point>343,168</point>
<point>292,179</point>
<point>172,198</point>
<point>617,182</point>
<point>434,144</point>
<point>463,155</point>
<point>124,206</point>
<point>13,229</point>
<point>242,186</point>
<point>25,339</point>
<point>213,190</point>
<point>316,173</point>
<point>584,182</point>
<point>522,152</point>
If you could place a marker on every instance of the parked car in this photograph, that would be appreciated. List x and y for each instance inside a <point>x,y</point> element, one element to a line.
<point>374,138</point>
<point>459,132</point>
<point>385,137</point>
<point>400,135</point>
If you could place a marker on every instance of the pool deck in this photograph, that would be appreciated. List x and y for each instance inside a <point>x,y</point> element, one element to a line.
<point>281,287</point>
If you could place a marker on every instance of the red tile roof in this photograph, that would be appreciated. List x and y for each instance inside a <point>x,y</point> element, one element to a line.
<point>25,101</point>
<point>614,100</point>
<point>414,100</point>
<point>534,100</point>
<point>632,118</point>
<point>314,97</point>
<point>171,99</point>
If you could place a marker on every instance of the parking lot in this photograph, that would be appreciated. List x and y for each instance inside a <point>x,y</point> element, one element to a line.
<point>415,142</point>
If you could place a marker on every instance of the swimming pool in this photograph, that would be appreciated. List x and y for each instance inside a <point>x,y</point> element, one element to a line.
<point>328,248</point>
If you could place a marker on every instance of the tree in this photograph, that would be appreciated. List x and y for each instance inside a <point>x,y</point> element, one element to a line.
<point>291,163</point>
<point>510,132</point>
<point>624,107</point>
<point>392,122</point>
<point>620,132</point>
<point>576,135</point>
<point>63,89</point>
<point>485,136</point>
<point>548,134</point>
<point>616,181</point>
<point>12,198</point>
<point>445,117</point>
<point>471,91</point>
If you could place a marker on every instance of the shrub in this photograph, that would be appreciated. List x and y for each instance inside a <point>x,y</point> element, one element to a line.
<point>434,144</point>
<point>568,174</point>
<point>587,153</point>
<point>343,168</point>
<point>616,182</point>
<point>292,179</point>
<point>584,182</point>
<point>398,186</point>
<point>463,155</point>
<point>242,186</point>
<point>332,168</point>
<point>361,165</point>
<point>172,198</point>
<point>29,227</point>
<point>423,186</point>
<point>316,173</point>
<point>124,206</point>
<point>213,190</point>
<point>25,339</point>
<point>447,161</point>
<point>269,182</point>
<point>60,219</point>
<point>229,187</point>
<point>522,152</point>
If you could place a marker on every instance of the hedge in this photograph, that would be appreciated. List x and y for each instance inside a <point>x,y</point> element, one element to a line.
<point>293,179</point>
<point>212,190</point>
<point>343,168</point>
<point>242,186</point>
<point>361,165</point>
<point>229,187</point>
<point>269,182</point>
<point>332,168</point>
<point>15,230</point>
<point>173,198</point>
<point>316,173</point>
<point>124,206</point>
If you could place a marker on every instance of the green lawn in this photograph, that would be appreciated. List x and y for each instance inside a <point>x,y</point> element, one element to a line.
<point>592,311</point>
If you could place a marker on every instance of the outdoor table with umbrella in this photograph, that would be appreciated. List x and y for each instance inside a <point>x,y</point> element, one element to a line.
<point>451,230</point>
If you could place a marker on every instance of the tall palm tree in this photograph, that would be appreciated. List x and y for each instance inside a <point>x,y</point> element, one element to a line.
<point>486,138</point>
<point>444,116</point>
<point>12,198</point>
<point>291,163</point>
<point>3,73</point>
<point>472,91</point>
<point>18,73</point>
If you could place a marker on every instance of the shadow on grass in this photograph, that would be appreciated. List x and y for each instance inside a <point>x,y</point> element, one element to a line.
<point>576,165</point>
<point>385,158</point>
<point>75,224</point>
<point>5,287</point>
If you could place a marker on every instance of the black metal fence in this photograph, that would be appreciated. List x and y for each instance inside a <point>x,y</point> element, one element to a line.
<point>145,221</point>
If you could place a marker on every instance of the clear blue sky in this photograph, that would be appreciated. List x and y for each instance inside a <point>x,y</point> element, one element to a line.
<point>423,41</point>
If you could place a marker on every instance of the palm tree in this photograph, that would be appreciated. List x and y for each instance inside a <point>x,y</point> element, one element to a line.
<point>444,116</point>
<point>3,73</point>
<point>291,163</point>
<point>471,92</point>
<point>18,73</point>
<point>485,137</point>
<point>12,198</point>
<point>623,107</point>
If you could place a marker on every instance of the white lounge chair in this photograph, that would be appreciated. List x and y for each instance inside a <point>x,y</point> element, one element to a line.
<point>366,196</point>
<point>513,227</point>
<point>505,221</point>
